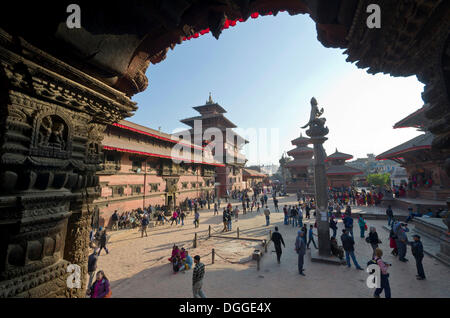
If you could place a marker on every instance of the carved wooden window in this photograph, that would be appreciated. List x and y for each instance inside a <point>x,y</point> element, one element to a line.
<point>154,187</point>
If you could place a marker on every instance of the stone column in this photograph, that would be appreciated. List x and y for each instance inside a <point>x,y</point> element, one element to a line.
<point>320,181</point>
<point>317,132</point>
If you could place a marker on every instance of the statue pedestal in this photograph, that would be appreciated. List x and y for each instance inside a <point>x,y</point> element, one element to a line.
<point>317,258</point>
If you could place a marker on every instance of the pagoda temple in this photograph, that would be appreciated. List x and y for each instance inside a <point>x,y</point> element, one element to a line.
<point>301,168</point>
<point>229,177</point>
<point>338,173</point>
<point>425,167</point>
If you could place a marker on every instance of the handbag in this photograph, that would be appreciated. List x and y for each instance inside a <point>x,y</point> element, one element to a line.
<point>367,239</point>
<point>108,295</point>
<point>365,227</point>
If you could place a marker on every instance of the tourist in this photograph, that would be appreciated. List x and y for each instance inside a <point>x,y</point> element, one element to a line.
<point>294,216</point>
<point>390,215</point>
<point>92,238</point>
<point>144,224</point>
<point>300,216</point>
<point>311,237</point>
<point>275,202</point>
<point>304,230</point>
<point>196,218</point>
<point>92,266</point>
<point>348,223</point>
<point>300,248</point>
<point>392,243</point>
<point>277,241</point>
<point>216,210</point>
<point>267,214</point>
<point>373,239</point>
<point>102,242</point>
<point>286,216</point>
<point>348,245</point>
<point>348,210</point>
<point>182,217</point>
<point>100,288</point>
<point>197,278</point>
<point>236,213</point>
<point>333,225</point>
<point>417,252</point>
<point>335,249</point>
<point>410,215</point>
<point>229,219</point>
<point>384,276</point>
<point>187,262</point>
<point>402,241</point>
<point>174,218</point>
<point>362,225</point>
<point>224,220</point>
<point>175,252</point>
<point>115,221</point>
<point>308,209</point>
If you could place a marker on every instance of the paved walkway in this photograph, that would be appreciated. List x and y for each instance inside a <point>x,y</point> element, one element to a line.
<point>138,267</point>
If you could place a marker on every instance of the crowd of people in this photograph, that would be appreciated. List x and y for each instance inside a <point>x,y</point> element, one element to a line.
<point>294,215</point>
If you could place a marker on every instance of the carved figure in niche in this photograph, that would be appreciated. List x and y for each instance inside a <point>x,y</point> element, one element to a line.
<point>53,132</point>
<point>95,138</point>
<point>314,119</point>
<point>58,134</point>
<point>45,131</point>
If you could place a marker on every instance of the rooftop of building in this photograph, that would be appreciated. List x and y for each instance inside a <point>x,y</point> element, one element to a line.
<point>417,143</point>
<point>416,119</point>
<point>339,156</point>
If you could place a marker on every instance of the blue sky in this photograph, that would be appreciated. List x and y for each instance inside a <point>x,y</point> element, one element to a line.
<point>264,73</point>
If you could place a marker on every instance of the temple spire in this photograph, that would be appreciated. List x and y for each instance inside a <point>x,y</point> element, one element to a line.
<point>209,101</point>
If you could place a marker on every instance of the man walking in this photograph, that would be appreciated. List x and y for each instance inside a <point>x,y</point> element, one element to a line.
<point>196,218</point>
<point>144,224</point>
<point>277,241</point>
<point>92,266</point>
<point>197,278</point>
<point>300,216</point>
<point>402,241</point>
<point>311,237</point>
<point>417,252</point>
<point>348,245</point>
<point>267,214</point>
<point>300,248</point>
<point>390,215</point>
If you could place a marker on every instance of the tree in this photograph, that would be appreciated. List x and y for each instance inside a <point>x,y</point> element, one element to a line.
<point>378,179</point>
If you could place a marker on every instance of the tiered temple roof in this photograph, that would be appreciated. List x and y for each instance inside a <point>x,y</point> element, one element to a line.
<point>337,164</point>
<point>302,154</point>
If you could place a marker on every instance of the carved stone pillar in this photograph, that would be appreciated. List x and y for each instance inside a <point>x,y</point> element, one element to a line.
<point>317,134</point>
<point>52,118</point>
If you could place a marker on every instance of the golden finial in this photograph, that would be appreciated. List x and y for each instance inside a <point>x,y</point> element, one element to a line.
<point>210,101</point>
